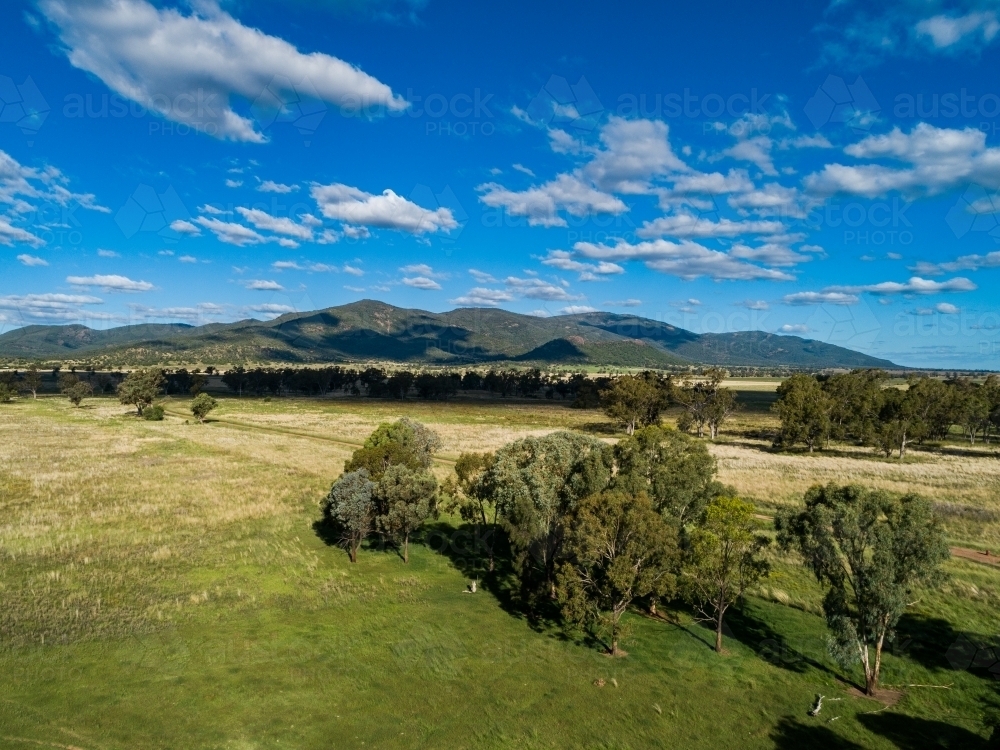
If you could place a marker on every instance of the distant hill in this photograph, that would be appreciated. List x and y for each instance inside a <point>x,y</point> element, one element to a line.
<point>370,330</point>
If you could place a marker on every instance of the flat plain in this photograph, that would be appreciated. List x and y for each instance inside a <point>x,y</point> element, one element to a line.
<point>161,586</point>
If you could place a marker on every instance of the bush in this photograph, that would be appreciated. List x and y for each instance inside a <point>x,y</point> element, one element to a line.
<point>153,413</point>
<point>202,405</point>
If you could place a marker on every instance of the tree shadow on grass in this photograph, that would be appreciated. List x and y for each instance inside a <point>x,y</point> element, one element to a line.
<point>794,735</point>
<point>757,634</point>
<point>914,733</point>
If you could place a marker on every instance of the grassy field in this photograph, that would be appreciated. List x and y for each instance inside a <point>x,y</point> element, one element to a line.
<point>161,586</point>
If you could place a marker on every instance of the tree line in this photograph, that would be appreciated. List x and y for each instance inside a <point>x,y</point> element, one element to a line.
<point>582,531</point>
<point>863,408</point>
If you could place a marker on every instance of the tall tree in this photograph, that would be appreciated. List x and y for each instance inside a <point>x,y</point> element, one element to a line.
<point>901,422</point>
<point>634,401</point>
<point>723,560</point>
<point>409,498</point>
<point>618,549</point>
<point>804,410</point>
<point>871,550</point>
<point>78,391</point>
<point>706,402</point>
<point>475,503</point>
<point>537,482</point>
<point>675,470</point>
<point>405,442</point>
<point>202,405</point>
<point>141,387</point>
<point>32,381</point>
<point>349,508</point>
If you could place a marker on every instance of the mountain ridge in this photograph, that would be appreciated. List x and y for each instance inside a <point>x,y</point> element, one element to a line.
<point>373,330</point>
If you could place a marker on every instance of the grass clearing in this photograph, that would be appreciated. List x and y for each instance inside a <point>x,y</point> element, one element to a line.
<point>162,587</point>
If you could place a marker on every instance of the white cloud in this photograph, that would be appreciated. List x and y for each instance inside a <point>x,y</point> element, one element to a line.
<point>108,254</point>
<point>541,205</point>
<point>234,183</point>
<point>18,183</point>
<point>687,260</point>
<point>946,308</point>
<point>185,227</point>
<point>563,260</point>
<point>231,233</point>
<point>387,211</point>
<point>422,269</point>
<point>524,169</point>
<point>421,282</point>
<point>271,309</point>
<point>166,253</point>
<point>188,259</point>
<point>263,285</point>
<point>208,208</point>
<point>32,260</point>
<point>962,263</point>
<point>624,303</point>
<point>938,158</point>
<point>539,313</point>
<point>770,200</point>
<point>352,270</point>
<point>278,225</point>
<point>286,265</point>
<point>481,276</point>
<point>110,283</point>
<point>577,309</point>
<point>48,308</point>
<point>201,312</point>
<point>945,31</point>
<point>270,186</point>
<point>793,328</point>
<point>770,253</point>
<point>187,67</point>
<point>713,183</point>
<point>635,151</point>
<point>356,233</point>
<point>915,285</point>
<point>806,141</point>
<point>755,150</point>
<point>9,235</point>
<point>535,288</point>
<point>687,225</point>
<point>820,298</point>
<point>753,304</point>
<point>482,297</point>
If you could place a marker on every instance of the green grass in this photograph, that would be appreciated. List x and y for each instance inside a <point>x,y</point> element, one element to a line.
<point>185,601</point>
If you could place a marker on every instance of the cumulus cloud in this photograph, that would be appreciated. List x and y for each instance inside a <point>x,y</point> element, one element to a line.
<point>9,235</point>
<point>481,276</point>
<point>535,288</point>
<point>944,308</point>
<point>263,285</point>
<point>231,233</point>
<point>421,282</point>
<point>278,225</point>
<point>185,227</point>
<point>234,183</point>
<point>108,254</point>
<point>483,297</point>
<point>271,310</point>
<point>688,225</point>
<point>938,159</point>
<point>962,263</point>
<point>386,211</point>
<point>110,283</point>
<point>422,269</point>
<point>915,285</point>
<point>713,183</point>
<point>753,304</point>
<point>32,260</point>
<point>542,204</point>
<point>187,259</point>
<point>48,308</point>
<point>270,186</point>
<point>577,309</point>
<point>820,298</point>
<point>187,67</point>
<point>686,260</point>
<point>523,169</point>
<point>624,303</point>
<point>564,261</point>
<point>793,328</point>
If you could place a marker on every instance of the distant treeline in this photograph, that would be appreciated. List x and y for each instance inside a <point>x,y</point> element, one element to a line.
<point>862,408</point>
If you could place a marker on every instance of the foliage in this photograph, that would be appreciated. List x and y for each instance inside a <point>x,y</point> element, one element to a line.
<point>636,400</point>
<point>471,497</point>
<point>675,470</point>
<point>536,483</point>
<point>153,413</point>
<point>32,381</point>
<point>78,391</point>
<point>405,443</point>
<point>723,560</point>
<point>804,409</point>
<point>617,550</point>
<point>350,509</point>
<point>871,550</point>
<point>406,499</point>
<point>141,387</point>
<point>6,393</point>
<point>706,403</point>
<point>202,405</point>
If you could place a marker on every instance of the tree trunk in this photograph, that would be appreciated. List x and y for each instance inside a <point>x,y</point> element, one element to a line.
<point>406,547</point>
<point>352,552</point>
<point>718,632</point>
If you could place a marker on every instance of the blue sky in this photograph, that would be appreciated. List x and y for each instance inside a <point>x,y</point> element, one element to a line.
<point>827,171</point>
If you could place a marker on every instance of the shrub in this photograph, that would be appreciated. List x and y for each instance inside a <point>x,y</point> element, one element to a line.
<point>153,413</point>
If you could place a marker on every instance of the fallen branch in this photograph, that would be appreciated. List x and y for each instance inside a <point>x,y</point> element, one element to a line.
<point>818,707</point>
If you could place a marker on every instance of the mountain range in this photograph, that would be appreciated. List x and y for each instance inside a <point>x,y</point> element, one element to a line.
<point>374,331</point>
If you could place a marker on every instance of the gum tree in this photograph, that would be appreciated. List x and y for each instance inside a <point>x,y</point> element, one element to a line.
<point>350,509</point>
<point>871,550</point>
<point>141,387</point>
<point>409,498</point>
